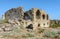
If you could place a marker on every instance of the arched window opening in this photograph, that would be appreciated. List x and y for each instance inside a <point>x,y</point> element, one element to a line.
<point>38,25</point>
<point>26,16</point>
<point>43,16</point>
<point>38,14</point>
<point>30,26</point>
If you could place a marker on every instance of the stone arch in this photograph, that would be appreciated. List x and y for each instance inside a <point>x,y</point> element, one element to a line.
<point>43,16</point>
<point>38,14</point>
<point>26,16</point>
<point>30,26</point>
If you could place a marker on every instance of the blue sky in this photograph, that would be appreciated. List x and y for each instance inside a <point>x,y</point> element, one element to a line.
<point>51,7</point>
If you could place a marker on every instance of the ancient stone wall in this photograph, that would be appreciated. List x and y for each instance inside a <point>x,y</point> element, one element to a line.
<point>31,19</point>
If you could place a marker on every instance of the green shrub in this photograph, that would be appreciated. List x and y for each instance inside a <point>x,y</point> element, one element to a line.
<point>59,32</point>
<point>55,25</point>
<point>50,34</point>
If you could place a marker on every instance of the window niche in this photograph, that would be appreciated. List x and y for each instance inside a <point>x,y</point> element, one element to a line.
<point>38,25</point>
<point>30,26</point>
<point>43,16</point>
<point>26,16</point>
<point>38,14</point>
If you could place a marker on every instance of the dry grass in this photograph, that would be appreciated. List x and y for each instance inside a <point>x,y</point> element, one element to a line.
<point>3,21</point>
<point>19,32</point>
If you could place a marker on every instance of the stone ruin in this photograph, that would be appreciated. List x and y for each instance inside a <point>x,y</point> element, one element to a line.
<point>31,19</point>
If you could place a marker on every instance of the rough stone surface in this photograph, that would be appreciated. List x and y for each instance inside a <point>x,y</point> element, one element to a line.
<point>32,18</point>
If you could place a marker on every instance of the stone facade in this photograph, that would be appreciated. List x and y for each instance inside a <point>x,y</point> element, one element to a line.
<point>31,19</point>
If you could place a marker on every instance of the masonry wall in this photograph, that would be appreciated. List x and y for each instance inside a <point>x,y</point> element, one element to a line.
<point>31,19</point>
<point>38,19</point>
